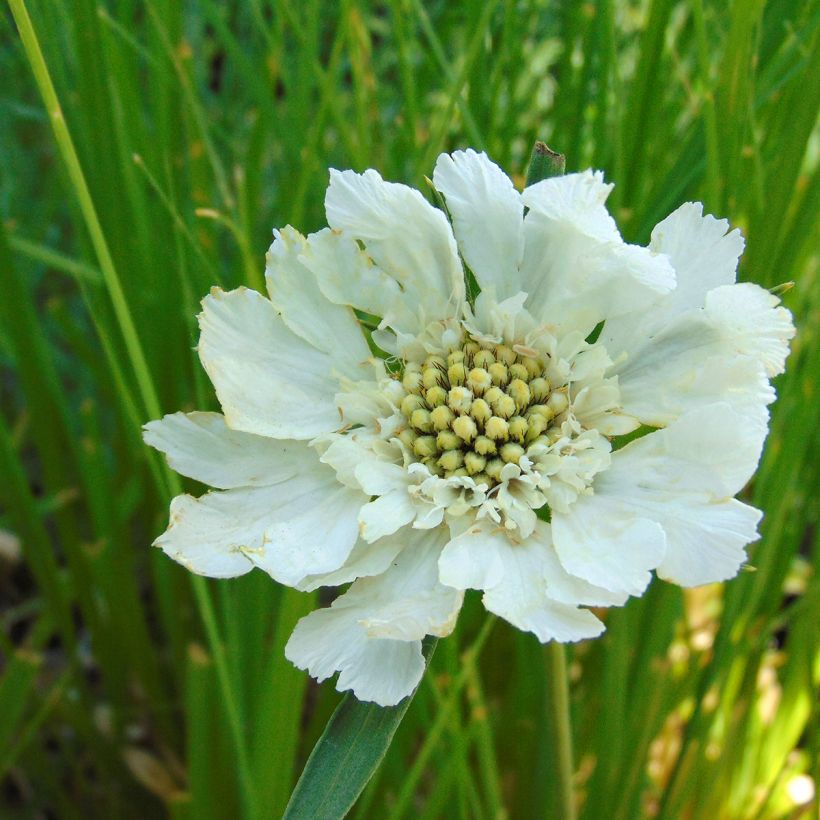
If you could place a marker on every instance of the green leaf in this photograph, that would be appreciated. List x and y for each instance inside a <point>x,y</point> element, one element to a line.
<point>544,163</point>
<point>346,756</point>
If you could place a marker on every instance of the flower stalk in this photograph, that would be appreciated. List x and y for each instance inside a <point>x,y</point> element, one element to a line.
<point>561,728</point>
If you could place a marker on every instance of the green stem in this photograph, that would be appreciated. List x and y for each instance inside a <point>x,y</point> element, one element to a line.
<point>561,727</point>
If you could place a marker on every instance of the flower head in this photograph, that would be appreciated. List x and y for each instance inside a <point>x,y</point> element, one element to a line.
<point>480,445</point>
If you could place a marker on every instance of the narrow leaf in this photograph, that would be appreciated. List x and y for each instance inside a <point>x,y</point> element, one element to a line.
<point>346,756</point>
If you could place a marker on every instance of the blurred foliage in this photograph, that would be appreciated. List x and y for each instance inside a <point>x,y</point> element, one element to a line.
<point>129,688</point>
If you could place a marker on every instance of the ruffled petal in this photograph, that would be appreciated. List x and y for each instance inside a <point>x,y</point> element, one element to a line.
<point>576,268</point>
<point>407,238</point>
<point>720,353</point>
<point>607,544</point>
<point>514,578</point>
<point>371,634</point>
<point>683,478</point>
<point>299,527</point>
<point>364,561</point>
<point>753,323</point>
<point>294,292</point>
<point>201,446</point>
<point>488,218</point>
<point>703,251</point>
<point>332,640</point>
<point>347,275</point>
<point>386,514</point>
<point>268,380</point>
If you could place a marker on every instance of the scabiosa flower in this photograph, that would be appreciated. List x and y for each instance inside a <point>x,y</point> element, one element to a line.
<point>475,444</point>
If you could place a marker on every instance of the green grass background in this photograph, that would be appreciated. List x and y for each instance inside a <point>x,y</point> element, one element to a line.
<point>186,131</point>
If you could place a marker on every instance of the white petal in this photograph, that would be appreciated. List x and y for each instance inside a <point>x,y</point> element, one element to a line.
<point>607,544</point>
<point>318,540</point>
<point>378,477</point>
<point>471,560</point>
<point>332,640</point>
<point>371,634</point>
<point>386,514</point>
<point>576,268</point>
<point>201,446</point>
<point>293,290</point>
<point>406,236</point>
<point>346,275</point>
<point>408,602</point>
<point>683,478</point>
<point>364,561</point>
<point>268,380</point>
<point>566,588</point>
<point>513,576</point>
<point>672,378</point>
<point>721,353</point>
<point>753,323</point>
<point>345,454</point>
<point>703,251</point>
<point>488,218</point>
<point>709,546</point>
<point>299,527</point>
<point>208,539</point>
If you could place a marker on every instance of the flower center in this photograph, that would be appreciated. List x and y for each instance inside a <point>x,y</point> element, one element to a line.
<point>479,408</point>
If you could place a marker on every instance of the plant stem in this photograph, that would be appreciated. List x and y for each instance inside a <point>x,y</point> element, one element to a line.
<point>561,728</point>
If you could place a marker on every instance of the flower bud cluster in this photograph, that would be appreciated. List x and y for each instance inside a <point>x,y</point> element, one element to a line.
<point>477,408</point>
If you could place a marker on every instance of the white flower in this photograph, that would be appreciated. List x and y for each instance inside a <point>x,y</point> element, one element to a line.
<point>435,468</point>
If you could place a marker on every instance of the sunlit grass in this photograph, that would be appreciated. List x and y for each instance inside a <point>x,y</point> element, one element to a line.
<point>126,688</point>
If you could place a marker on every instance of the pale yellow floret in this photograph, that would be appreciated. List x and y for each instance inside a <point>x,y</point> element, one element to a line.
<point>451,460</point>
<point>412,381</point>
<point>455,356</point>
<point>411,403</point>
<point>435,396</point>
<point>484,446</point>
<point>558,403</point>
<point>533,366</point>
<point>408,436</point>
<point>512,452</point>
<point>497,428</point>
<point>539,389</point>
<point>518,371</point>
<point>465,428</point>
<point>478,380</point>
<point>518,428</point>
<point>504,406</point>
<point>480,411</point>
<point>494,468</point>
<point>441,417</point>
<point>459,399</point>
<point>457,373</point>
<point>536,425</point>
<point>448,440</point>
<point>520,393</point>
<point>474,463</point>
<point>505,354</point>
<point>420,419</point>
<point>431,377</point>
<point>499,374</point>
<point>425,446</point>
<point>484,358</point>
